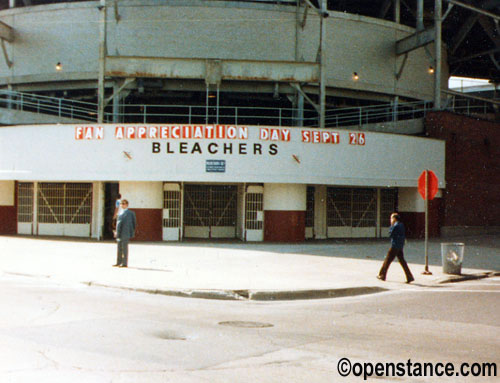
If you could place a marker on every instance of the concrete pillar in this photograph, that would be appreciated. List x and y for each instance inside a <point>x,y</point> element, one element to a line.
<point>8,212</point>
<point>285,212</point>
<point>98,210</point>
<point>320,226</point>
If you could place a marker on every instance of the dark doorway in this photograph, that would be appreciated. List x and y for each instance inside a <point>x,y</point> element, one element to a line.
<point>111,195</point>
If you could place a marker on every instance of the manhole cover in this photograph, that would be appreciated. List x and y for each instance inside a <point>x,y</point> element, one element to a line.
<point>246,324</point>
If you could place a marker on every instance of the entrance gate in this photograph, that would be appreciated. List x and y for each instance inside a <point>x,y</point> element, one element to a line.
<point>172,202</point>
<point>359,212</point>
<point>25,208</point>
<point>55,208</point>
<point>210,211</point>
<point>351,213</point>
<point>254,213</point>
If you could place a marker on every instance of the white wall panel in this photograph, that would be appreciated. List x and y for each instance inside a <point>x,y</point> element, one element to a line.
<point>52,153</point>
<point>143,195</point>
<point>409,200</point>
<point>7,193</point>
<point>288,197</point>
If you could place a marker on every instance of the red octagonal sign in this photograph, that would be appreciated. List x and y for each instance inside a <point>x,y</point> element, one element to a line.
<point>432,187</point>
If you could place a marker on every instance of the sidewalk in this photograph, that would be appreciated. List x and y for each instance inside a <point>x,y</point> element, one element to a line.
<point>240,271</point>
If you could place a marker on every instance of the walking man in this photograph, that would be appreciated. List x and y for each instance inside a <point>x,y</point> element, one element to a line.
<point>125,229</point>
<point>397,235</point>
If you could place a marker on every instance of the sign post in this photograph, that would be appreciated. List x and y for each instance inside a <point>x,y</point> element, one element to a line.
<point>427,187</point>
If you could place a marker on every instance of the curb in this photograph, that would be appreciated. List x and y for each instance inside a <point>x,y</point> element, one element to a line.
<point>468,277</point>
<point>313,294</point>
<point>201,294</point>
<point>252,295</point>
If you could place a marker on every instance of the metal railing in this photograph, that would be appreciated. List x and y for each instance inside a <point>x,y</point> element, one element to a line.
<point>373,114</point>
<point>246,115</point>
<point>201,114</point>
<point>55,106</point>
<point>242,115</point>
<point>470,105</point>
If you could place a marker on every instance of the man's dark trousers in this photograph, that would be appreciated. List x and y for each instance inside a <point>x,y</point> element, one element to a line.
<point>125,229</point>
<point>122,256</point>
<point>393,253</point>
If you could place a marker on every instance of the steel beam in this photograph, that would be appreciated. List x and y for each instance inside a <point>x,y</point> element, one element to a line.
<point>461,34</point>
<point>474,9</point>
<point>5,54</point>
<point>437,46</point>
<point>480,54</point>
<point>414,41</point>
<point>102,61</point>
<point>304,95</point>
<point>384,8</point>
<point>6,32</point>
<point>420,15</point>
<point>322,67</point>
<point>188,68</point>
<point>117,90</point>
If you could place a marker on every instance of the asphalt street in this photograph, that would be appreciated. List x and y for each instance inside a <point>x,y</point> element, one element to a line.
<point>53,332</point>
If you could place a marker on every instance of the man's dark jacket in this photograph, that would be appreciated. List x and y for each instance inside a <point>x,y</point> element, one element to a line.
<point>397,234</point>
<point>125,227</point>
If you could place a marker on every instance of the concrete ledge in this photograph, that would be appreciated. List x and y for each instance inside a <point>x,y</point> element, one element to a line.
<point>467,231</point>
<point>19,117</point>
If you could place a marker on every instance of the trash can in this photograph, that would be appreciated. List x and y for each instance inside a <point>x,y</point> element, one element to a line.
<point>453,256</point>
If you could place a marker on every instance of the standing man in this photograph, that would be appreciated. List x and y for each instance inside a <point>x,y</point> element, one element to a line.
<point>397,235</point>
<point>125,229</point>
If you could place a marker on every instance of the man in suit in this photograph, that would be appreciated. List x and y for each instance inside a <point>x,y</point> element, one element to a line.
<point>125,229</point>
<point>397,235</point>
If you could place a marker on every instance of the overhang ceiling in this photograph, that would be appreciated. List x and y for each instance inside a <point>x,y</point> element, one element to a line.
<point>472,39</point>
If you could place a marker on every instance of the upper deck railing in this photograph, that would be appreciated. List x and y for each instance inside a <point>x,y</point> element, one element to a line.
<point>241,115</point>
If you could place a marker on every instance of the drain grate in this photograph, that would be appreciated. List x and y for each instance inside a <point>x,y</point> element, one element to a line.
<point>246,324</point>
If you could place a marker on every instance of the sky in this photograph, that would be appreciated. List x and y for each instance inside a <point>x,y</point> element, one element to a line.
<point>463,82</point>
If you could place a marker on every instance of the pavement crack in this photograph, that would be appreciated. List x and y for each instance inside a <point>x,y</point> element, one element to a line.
<point>242,293</point>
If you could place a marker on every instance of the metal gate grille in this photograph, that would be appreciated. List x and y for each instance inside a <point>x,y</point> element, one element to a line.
<point>364,207</point>
<point>338,207</point>
<point>25,202</point>
<point>210,205</point>
<point>172,203</point>
<point>254,208</point>
<point>388,202</point>
<point>351,207</point>
<point>69,203</point>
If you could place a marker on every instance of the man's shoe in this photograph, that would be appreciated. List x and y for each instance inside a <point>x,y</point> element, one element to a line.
<point>123,265</point>
<point>117,265</point>
<point>381,278</point>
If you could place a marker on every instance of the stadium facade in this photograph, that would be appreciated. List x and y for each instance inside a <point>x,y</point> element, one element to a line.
<point>257,120</point>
